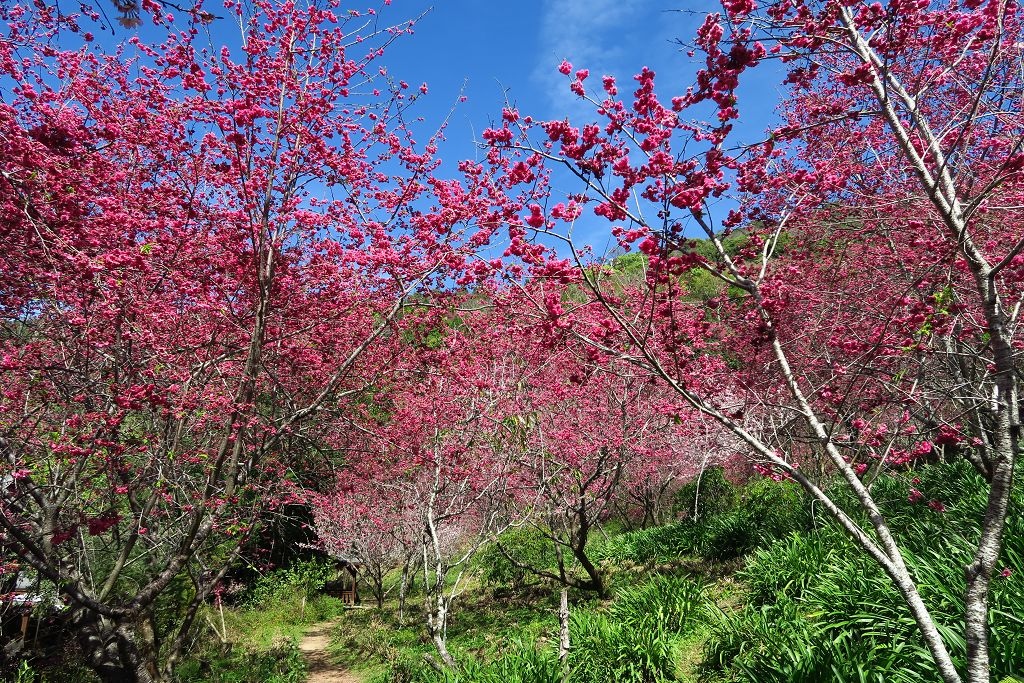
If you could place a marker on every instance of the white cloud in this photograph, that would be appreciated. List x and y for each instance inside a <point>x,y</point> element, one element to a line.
<point>604,36</point>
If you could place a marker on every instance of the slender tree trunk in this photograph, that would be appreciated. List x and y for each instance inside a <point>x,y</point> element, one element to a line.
<point>437,621</point>
<point>696,487</point>
<point>563,632</point>
<point>979,572</point>
<point>437,626</point>
<point>435,607</point>
<point>403,589</point>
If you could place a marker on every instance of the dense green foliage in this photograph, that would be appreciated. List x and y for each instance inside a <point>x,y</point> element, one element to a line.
<point>530,547</point>
<point>734,522</point>
<point>821,610</point>
<point>281,663</point>
<point>302,578</point>
<point>706,495</point>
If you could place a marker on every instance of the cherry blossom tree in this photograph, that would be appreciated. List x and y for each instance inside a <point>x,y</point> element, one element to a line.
<point>360,518</point>
<point>690,446</point>
<point>579,427</point>
<point>212,253</point>
<point>868,261</point>
<point>439,450</point>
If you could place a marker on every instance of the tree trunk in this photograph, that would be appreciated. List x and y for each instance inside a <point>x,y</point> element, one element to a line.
<point>979,572</point>
<point>442,651</point>
<point>437,627</point>
<point>579,551</point>
<point>696,488</point>
<point>118,653</point>
<point>403,590</point>
<point>563,632</point>
<point>595,582</point>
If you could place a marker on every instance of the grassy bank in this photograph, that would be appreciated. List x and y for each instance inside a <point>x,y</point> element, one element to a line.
<point>757,588</point>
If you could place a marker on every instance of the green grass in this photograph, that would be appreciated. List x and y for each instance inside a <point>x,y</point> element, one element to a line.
<point>650,632</point>
<point>258,641</point>
<point>279,663</point>
<point>260,627</point>
<point>481,626</point>
<point>752,592</point>
<point>819,609</point>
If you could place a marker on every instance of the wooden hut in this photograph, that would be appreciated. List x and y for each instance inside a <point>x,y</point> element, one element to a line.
<point>345,588</point>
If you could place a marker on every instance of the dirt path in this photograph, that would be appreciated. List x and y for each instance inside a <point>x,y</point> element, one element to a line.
<point>314,649</point>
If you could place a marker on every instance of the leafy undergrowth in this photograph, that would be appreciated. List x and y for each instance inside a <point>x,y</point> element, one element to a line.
<point>65,668</point>
<point>755,590</point>
<point>651,631</point>
<point>279,663</point>
<point>257,642</point>
<point>485,625</point>
<point>819,610</point>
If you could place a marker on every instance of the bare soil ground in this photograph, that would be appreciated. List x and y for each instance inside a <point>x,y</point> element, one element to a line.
<point>314,649</point>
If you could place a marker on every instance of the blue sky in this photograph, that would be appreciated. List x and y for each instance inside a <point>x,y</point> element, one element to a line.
<point>493,51</point>
<point>512,50</point>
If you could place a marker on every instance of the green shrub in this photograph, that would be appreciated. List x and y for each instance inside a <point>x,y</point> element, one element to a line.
<point>706,496</point>
<point>775,509</point>
<point>656,545</point>
<point>280,664</point>
<point>726,536</point>
<point>766,511</point>
<point>674,603</point>
<point>751,642</point>
<point>304,577</point>
<point>735,522</point>
<point>528,545</point>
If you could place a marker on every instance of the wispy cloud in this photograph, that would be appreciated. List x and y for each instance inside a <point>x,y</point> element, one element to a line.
<point>604,36</point>
<point>609,37</point>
